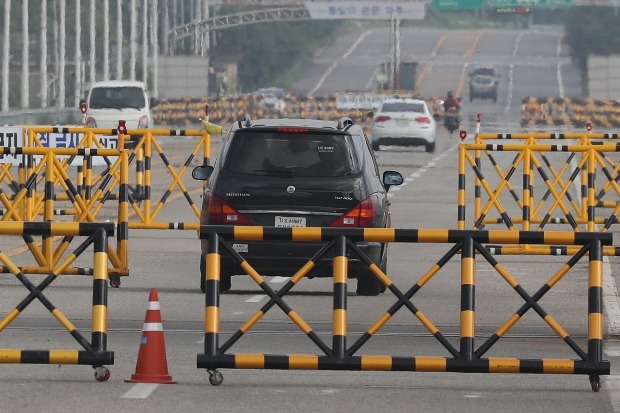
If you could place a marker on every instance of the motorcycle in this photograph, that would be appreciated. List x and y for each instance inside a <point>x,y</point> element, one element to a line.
<point>451,119</point>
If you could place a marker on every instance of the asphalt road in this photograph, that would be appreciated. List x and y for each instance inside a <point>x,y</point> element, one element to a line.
<point>531,62</point>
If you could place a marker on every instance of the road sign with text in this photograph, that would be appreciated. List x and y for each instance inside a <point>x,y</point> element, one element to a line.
<point>367,10</point>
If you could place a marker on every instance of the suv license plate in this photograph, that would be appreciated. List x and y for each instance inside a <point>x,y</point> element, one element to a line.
<point>289,222</point>
<point>402,122</point>
<point>240,247</point>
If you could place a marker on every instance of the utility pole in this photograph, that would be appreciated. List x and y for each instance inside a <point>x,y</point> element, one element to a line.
<point>43,66</point>
<point>78,54</point>
<point>25,81</point>
<point>6,42</point>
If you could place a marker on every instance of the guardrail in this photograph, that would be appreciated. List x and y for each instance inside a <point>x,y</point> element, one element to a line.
<point>41,116</point>
<point>467,358</point>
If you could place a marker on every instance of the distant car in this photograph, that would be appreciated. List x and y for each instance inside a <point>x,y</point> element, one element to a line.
<point>273,97</point>
<point>114,100</point>
<point>404,122</point>
<point>482,87</point>
<point>296,173</point>
<point>486,71</point>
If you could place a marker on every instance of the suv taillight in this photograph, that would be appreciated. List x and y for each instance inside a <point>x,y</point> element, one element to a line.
<point>221,212</point>
<point>423,119</point>
<point>360,216</point>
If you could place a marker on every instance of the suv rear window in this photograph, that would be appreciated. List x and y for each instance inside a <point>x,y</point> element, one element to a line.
<point>291,154</point>
<point>116,98</point>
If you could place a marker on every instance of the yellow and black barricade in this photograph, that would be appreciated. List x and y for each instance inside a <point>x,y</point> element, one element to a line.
<point>546,201</point>
<point>141,196</point>
<point>81,183</point>
<point>467,357</point>
<point>93,353</point>
<point>30,204</point>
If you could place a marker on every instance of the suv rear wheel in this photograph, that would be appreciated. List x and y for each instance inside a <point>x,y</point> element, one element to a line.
<point>368,284</point>
<point>225,276</point>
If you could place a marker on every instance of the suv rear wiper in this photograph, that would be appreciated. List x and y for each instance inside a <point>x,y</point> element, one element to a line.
<point>281,171</point>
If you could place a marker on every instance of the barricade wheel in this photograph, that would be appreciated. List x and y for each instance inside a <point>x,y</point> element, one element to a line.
<point>595,382</point>
<point>102,374</point>
<point>215,377</point>
<point>115,281</point>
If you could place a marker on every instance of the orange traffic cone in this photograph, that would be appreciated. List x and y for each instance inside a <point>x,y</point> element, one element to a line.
<point>152,365</point>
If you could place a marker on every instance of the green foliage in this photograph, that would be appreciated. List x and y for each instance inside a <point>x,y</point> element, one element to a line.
<point>592,30</point>
<point>270,50</point>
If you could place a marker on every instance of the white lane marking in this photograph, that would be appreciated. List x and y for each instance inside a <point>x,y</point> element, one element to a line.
<point>322,79</point>
<point>140,391</point>
<point>346,55</point>
<point>511,73</point>
<point>279,279</point>
<point>611,385</point>
<point>255,298</point>
<point>421,171</point>
<point>559,68</point>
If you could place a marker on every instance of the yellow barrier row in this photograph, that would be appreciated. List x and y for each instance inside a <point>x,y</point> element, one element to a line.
<point>227,109</point>
<point>575,113</point>
<point>466,358</point>
<point>548,111</point>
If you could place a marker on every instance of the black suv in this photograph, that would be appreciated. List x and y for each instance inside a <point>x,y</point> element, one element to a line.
<point>296,172</point>
<point>483,83</point>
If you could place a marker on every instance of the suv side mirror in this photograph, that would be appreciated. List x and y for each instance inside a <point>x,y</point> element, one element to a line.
<point>392,178</point>
<point>202,172</point>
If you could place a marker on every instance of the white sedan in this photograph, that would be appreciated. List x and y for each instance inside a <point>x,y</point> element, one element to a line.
<point>404,121</point>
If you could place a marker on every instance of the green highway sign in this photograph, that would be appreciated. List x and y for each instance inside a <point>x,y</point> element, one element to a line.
<point>458,4</point>
<point>495,4</point>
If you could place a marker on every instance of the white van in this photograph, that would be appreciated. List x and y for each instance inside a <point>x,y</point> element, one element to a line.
<point>114,100</point>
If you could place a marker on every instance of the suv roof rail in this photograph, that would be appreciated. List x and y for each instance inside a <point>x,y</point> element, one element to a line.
<point>246,122</point>
<point>345,122</point>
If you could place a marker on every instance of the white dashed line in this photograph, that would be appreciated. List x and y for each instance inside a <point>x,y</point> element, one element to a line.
<point>140,391</point>
<point>255,298</point>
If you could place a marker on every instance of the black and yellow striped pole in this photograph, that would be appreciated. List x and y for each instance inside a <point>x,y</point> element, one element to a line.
<point>468,299</point>
<point>339,323</point>
<point>595,308</point>
<point>212,296</point>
